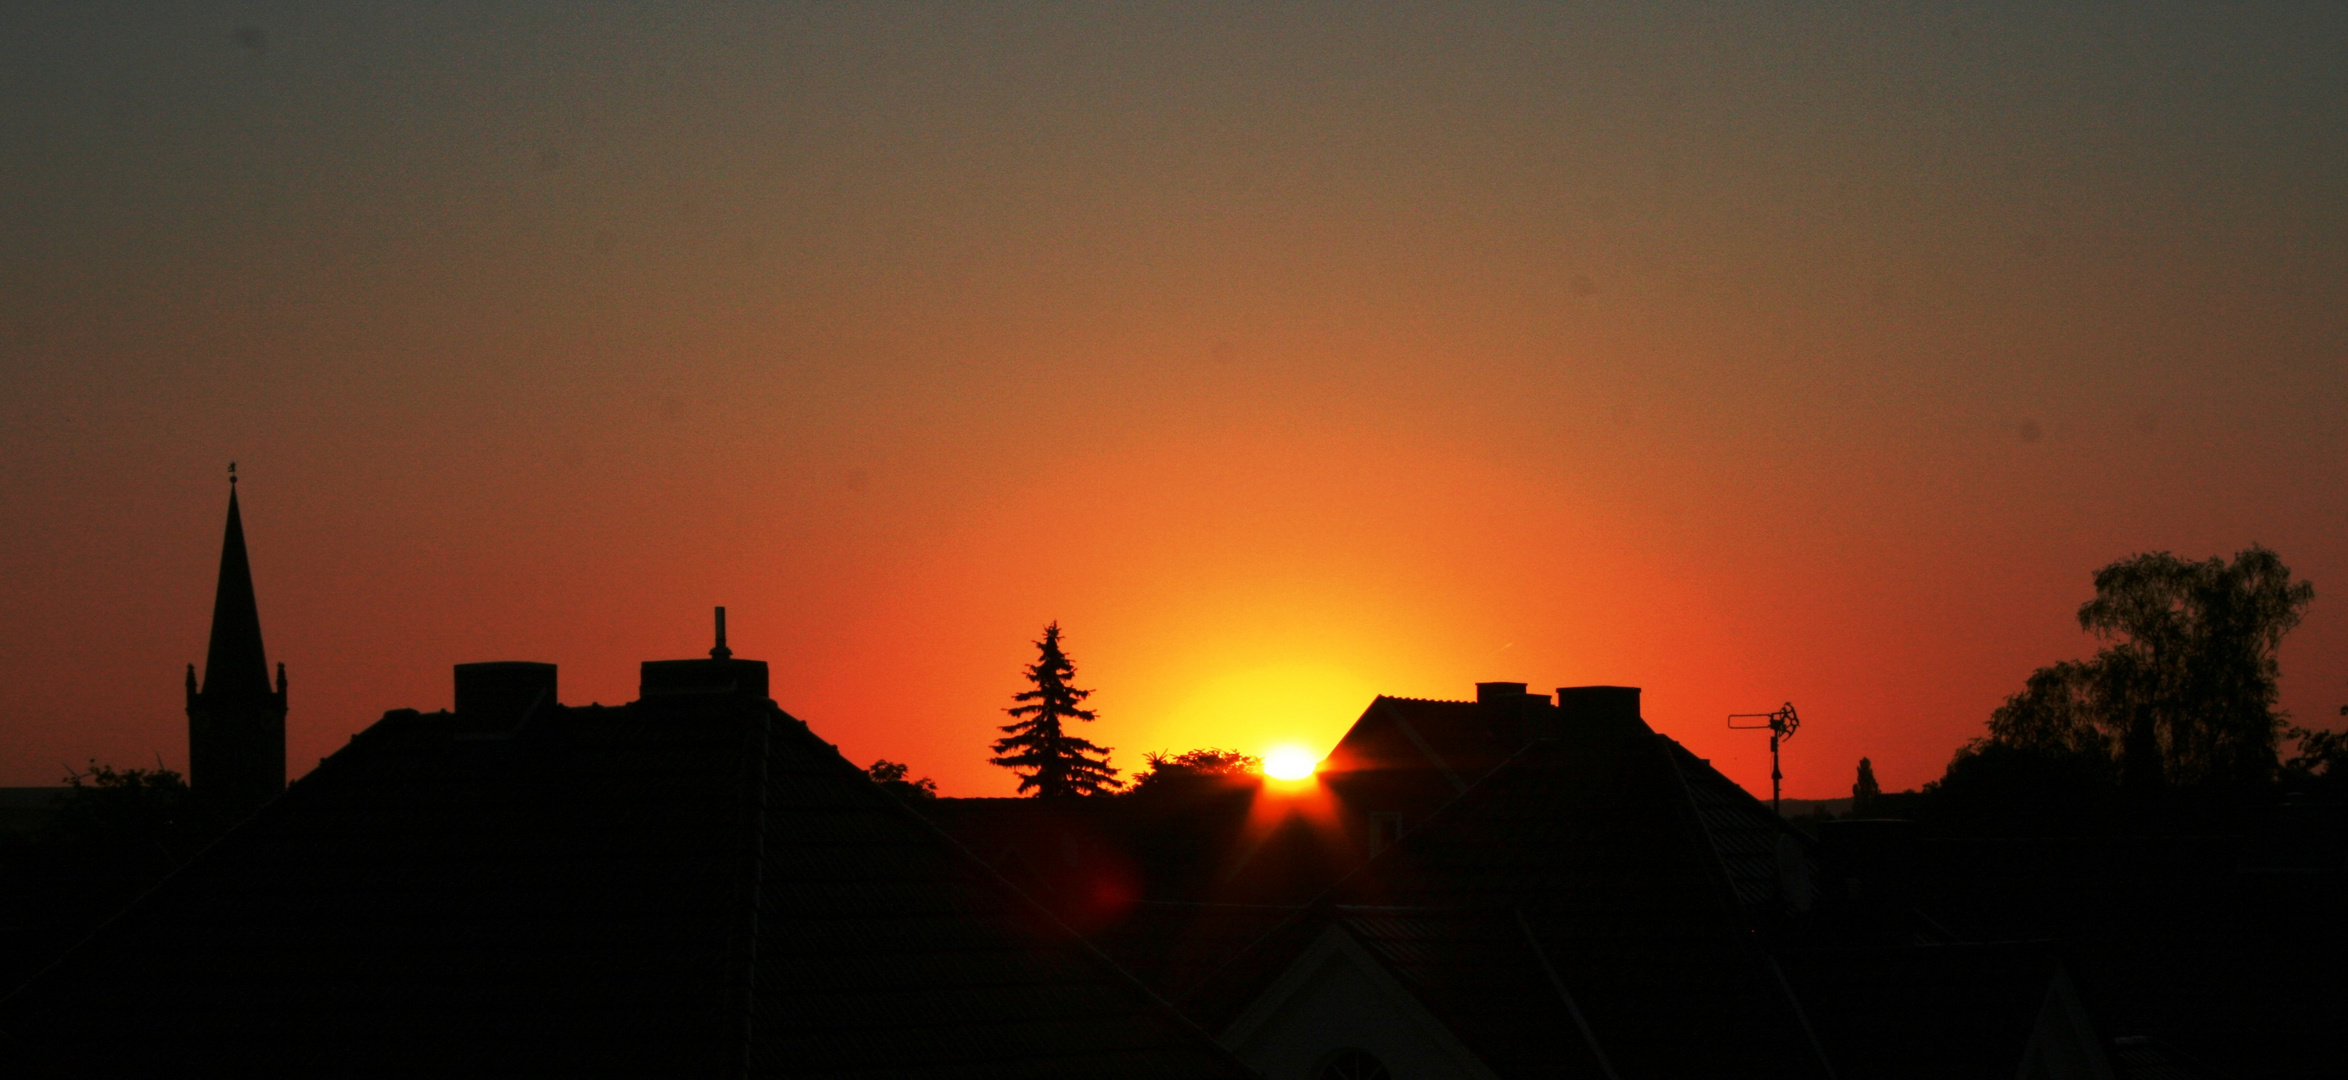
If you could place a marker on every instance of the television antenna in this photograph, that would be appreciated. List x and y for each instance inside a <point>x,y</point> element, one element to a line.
<point>1781,726</point>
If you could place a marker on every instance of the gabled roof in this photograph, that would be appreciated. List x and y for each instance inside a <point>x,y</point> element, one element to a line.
<point>1462,739</point>
<point>1468,740</point>
<point>1591,839</point>
<point>1585,859</point>
<point>695,884</point>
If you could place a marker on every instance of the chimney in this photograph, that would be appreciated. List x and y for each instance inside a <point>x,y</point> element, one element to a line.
<point>500,695</point>
<point>721,674</point>
<point>1513,715</point>
<point>1600,708</point>
<point>1499,693</point>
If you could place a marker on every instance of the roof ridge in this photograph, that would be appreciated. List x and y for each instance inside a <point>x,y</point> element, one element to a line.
<point>1325,901</point>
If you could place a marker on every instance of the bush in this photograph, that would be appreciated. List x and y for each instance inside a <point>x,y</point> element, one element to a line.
<point>107,805</point>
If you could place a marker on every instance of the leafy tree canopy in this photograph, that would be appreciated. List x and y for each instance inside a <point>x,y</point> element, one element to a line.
<point>1205,765</point>
<point>2189,678</point>
<point>2183,692</point>
<point>2321,758</point>
<point>110,805</point>
<point>890,775</point>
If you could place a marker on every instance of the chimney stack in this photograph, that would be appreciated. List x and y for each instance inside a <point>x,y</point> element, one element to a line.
<point>720,674</point>
<point>1600,708</point>
<point>1499,693</point>
<point>1513,714</point>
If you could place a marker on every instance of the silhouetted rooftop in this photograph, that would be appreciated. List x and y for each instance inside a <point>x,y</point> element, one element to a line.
<point>694,883</point>
<point>1583,855</point>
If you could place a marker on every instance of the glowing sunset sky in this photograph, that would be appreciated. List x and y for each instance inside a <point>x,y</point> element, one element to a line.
<point>1285,354</point>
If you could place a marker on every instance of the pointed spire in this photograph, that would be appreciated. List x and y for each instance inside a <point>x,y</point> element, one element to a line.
<point>235,665</point>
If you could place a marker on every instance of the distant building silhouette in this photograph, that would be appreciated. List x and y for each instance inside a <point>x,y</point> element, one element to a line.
<point>690,884</point>
<point>236,719</point>
<point>1521,885</point>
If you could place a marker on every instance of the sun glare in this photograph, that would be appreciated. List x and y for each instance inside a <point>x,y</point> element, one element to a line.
<point>1290,763</point>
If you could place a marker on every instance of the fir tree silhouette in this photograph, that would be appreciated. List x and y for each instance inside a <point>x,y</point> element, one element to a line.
<point>1866,791</point>
<point>1050,761</point>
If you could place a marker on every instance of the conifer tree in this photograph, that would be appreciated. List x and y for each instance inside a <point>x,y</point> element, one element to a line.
<point>1866,791</point>
<point>1050,761</point>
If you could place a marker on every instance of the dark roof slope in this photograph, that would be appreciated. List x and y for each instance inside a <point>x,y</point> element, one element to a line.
<point>1937,1010</point>
<point>688,885</point>
<point>1483,974</point>
<point>1593,840</point>
<point>1748,837</point>
<point>1465,738</point>
<point>1590,848</point>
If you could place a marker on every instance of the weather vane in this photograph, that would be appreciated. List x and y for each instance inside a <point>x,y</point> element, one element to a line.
<point>1781,724</point>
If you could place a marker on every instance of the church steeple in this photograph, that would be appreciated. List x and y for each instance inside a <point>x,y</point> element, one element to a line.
<point>235,663</point>
<point>236,721</point>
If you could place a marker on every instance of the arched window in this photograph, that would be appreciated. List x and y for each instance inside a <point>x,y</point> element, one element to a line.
<point>1353,1065</point>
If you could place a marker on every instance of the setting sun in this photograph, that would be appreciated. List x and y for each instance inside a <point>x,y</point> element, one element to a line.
<point>1290,763</point>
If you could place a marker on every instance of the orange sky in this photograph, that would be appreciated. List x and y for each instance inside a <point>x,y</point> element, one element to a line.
<point>1286,354</point>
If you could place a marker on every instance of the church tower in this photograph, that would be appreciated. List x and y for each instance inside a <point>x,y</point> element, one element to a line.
<point>236,721</point>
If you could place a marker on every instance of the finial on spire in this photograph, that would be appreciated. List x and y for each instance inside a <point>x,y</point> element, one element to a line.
<point>232,474</point>
<point>721,652</point>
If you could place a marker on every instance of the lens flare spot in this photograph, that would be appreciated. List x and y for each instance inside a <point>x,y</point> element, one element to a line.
<point>1290,763</point>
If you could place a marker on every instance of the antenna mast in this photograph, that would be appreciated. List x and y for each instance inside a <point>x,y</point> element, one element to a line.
<point>1781,725</point>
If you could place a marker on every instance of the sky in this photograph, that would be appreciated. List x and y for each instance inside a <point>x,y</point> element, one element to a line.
<point>1285,354</point>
